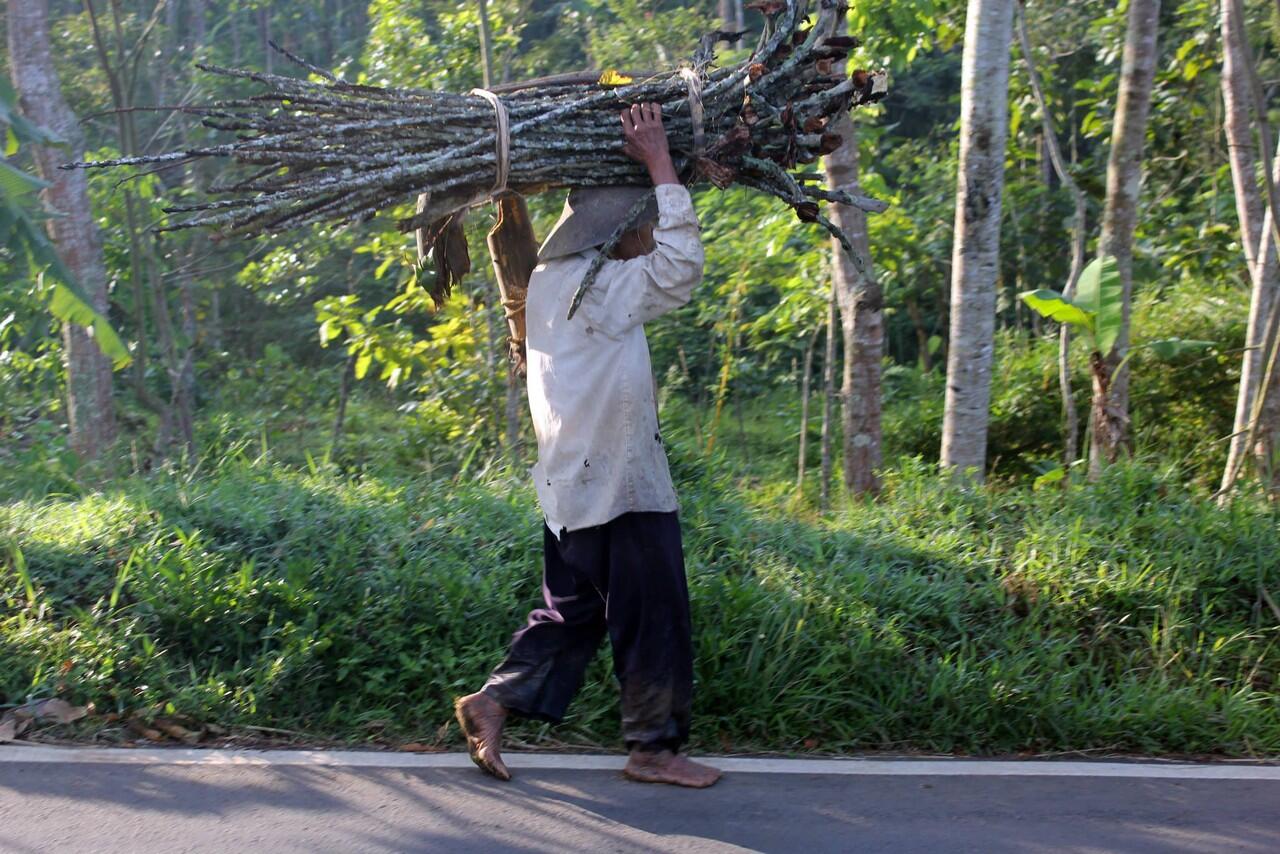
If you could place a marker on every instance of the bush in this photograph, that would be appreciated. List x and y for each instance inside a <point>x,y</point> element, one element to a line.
<point>1124,616</point>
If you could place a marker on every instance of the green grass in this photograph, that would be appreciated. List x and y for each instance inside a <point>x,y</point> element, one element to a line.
<point>352,607</point>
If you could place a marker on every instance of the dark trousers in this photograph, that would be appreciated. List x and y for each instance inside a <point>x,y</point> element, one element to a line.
<point>625,577</point>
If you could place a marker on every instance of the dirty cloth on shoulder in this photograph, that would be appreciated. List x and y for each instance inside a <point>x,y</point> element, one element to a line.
<point>591,388</point>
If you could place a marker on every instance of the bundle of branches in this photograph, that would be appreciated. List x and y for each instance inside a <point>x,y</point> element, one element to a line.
<point>335,151</point>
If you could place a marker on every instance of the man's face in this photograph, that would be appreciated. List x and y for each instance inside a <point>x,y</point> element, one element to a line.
<point>637,242</point>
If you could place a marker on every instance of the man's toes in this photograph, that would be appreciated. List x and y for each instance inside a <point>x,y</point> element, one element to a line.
<point>490,761</point>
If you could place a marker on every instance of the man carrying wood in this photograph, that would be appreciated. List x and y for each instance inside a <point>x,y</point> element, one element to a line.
<point>613,560</point>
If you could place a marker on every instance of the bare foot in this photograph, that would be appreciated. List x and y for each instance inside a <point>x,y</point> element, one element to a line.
<point>667,767</point>
<point>481,718</point>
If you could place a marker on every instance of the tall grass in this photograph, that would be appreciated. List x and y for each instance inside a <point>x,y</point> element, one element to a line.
<point>1123,616</point>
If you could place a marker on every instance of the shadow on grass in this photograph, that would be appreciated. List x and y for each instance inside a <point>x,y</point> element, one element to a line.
<point>358,610</point>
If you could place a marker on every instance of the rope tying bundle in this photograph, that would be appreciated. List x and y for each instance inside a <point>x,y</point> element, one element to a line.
<point>694,83</point>
<point>501,142</point>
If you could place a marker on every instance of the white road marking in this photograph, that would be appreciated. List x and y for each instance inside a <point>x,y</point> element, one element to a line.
<point>582,762</point>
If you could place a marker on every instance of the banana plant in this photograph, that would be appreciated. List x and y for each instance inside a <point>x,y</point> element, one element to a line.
<point>1096,312</point>
<point>22,230</point>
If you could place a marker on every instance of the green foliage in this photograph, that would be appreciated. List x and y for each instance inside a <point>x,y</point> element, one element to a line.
<point>22,230</point>
<point>1096,308</point>
<point>1122,616</point>
<point>1055,306</point>
<point>1100,294</point>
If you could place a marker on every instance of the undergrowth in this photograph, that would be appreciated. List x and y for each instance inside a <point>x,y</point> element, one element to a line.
<point>1129,615</point>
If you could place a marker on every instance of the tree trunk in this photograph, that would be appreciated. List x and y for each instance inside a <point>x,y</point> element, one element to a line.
<point>804,410</point>
<point>923,355</point>
<point>725,10</point>
<point>148,289</point>
<point>861,303</point>
<point>1255,235</point>
<point>90,415</point>
<point>344,395</point>
<point>984,108</point>
<point>828,398</point>
<point>1071,421</point>
<point>264,35</point>
<point>486,48</point>
<point>1124,176</point>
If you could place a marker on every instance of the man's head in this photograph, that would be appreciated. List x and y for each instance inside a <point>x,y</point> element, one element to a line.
<point>636,242</point>
<point>589,218</point>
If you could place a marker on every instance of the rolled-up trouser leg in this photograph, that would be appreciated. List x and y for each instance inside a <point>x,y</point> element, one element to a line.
<point>647,611</point>
<point>548,657</point>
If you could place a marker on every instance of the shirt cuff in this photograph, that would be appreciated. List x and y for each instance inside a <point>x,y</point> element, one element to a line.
<point>675,206</point>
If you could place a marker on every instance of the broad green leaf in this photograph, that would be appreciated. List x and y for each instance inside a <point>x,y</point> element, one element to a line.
<point>15,183</point>
<point>1172,348</point>
<point>362,364</point>
<point>19,127</point>
<point>68,306</point>
<point>10,142</point>
<point>1055,306</point>
<point>1049,478</point>
<point>1101,295</point>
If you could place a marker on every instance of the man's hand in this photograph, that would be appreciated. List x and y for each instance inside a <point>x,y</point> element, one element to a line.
<point>647,142</point>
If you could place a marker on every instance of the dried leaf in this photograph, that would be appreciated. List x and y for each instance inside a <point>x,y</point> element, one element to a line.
<point>767,7</point>
<point>612,77</point>
<point>177,731</point>
<point>8,729</point>
<point>842,42</point>
<point>138,727</point>
<point>830,142</point>
<point>718,174</point>
<point>62,711</point>
<point>806,211</point>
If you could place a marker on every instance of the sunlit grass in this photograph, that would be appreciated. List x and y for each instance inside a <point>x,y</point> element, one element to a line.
<point>1125,616</point>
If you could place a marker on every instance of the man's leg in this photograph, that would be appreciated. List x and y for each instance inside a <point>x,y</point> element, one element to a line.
<point>649,626</point>
<point>545,664</point>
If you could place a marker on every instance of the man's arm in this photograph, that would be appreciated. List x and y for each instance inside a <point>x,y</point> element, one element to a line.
<point>629,293</point>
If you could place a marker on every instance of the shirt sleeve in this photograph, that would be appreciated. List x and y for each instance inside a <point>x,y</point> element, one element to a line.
<point>635,291</point>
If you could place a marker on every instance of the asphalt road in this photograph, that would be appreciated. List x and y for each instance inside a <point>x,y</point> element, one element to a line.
<point>159,807</point>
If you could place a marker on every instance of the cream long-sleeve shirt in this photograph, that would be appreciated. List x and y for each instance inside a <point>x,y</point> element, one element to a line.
<point>591,386</point>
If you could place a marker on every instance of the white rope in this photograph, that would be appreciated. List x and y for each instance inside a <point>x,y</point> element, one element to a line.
<point>501,144</point>
<point>694,84</point>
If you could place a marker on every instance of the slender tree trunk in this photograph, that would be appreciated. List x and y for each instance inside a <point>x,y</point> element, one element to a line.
<point>861,303</point>
<point>726,367</point>
<point>264,35</point>
<point>804,410</point>
<point>233,24</point>
<point>486,47</point>
<point>148,290</point>
<point>511,405</point>
<point>1110,410</point>
<point>344,395</point>
<point>197,9</point>
<point>923,355</point>
<point>1071,420</point>
<point>828,400</point>
<point>984,108</point>
<point>90,413</point>
<point>1255,235</point>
